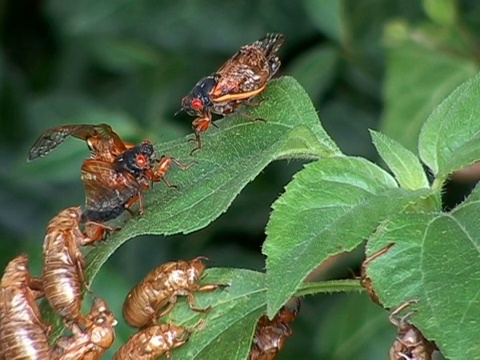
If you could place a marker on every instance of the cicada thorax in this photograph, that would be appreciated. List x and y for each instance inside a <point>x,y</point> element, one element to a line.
<point>23,333</point>
<point>270,335</point>
<point>153,342</point>
<point>91,341</point>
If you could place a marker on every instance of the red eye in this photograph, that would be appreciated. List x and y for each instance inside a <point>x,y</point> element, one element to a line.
<point>197,104</point>
<point>141,161</point>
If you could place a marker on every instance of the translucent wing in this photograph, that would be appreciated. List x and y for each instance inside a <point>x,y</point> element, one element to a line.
<point>101,139</point>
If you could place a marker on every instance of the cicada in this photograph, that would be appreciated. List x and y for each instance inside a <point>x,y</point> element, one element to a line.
<point>23,333</point>
<point>156,295</point>
<point>270,335</point>
<point>63,274</point>
<point>92,342</point>
<point>153,342</point>
<point>113,187</point>
<point>410,343</point>
<point>238,81</point>
<point>115,174</point>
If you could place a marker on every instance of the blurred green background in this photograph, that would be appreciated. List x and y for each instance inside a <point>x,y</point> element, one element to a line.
<point>380,64</point>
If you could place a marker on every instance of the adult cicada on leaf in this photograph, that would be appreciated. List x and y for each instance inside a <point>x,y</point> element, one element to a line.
<point>238,81</point>
<point>114,176</point>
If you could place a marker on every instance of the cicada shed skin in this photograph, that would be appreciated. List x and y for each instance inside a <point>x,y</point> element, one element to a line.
<point>94,341</point>
<point>152,342</point>
<point>63,269</point>
<point>238,81</point>
<point>270,335</point>
<point>156,295</point>
<point>410,343</point>
<point>23,333</point>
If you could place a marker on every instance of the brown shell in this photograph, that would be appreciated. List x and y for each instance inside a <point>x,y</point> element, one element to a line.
<point>159,287</point>
<point>63,269</point>
<point>410,342</point>
<point>270,335</point>
<point>23,333</point>
<point>152,342</point>
<point>94,341</point>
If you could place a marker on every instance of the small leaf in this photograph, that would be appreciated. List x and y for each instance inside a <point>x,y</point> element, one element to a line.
<point>412,92</point>
<point>449,139</point>
<point>404,164</point>
<point>434,261</point>
<point>231,158</point>
<point>443,12</point>
<point>315,70</point>
<point>327,17</point>
<point>329,207</point>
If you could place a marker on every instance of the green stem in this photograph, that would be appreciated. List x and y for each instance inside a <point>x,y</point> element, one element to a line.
<point>330,286</point>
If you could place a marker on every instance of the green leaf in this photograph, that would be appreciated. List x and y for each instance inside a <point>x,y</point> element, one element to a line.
<point>229,325</point>
<point>434,261</point>
<point>443,12</point>
<point>315,70</point>
<point>231,157</point>
<point>418,79</point>
<point>227,329</point>
<point>449,139</point>
<point>404,164</point>
<point>329,207</point>
<point>327,17</point>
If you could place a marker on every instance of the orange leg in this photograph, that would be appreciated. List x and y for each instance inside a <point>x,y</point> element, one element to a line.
<point>200,125</point>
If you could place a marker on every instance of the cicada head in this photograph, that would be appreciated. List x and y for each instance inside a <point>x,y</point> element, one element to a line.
<point>137,159</point>
<point>198,99</point>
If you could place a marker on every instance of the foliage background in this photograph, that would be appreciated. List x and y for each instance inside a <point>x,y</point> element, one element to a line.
<point>378,64</point>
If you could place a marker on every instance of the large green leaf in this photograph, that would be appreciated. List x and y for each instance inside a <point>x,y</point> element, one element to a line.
<point>328,208</point>
<point>418,79</point>
<point>434,261</point>
<point>231,157</point>
<point>450,137</point>
<point>404,164</point>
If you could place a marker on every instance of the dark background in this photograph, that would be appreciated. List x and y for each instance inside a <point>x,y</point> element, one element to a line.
<point>128,63</point>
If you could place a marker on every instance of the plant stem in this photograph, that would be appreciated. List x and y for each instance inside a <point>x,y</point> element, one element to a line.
<point>330,286</point>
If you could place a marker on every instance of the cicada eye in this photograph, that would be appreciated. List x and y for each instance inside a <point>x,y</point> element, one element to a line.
<point>141,161</point>
<point>197,104</point>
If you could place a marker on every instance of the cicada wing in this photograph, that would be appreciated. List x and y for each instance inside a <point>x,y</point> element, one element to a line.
<point>50,139</point>
<point>105,188</point>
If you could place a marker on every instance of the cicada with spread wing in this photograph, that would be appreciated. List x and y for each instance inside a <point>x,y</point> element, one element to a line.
<point>103,142</point>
